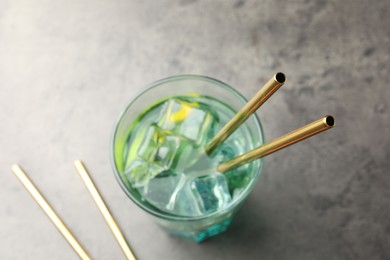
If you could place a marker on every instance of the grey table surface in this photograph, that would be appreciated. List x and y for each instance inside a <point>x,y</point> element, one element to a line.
<point>68,68</point>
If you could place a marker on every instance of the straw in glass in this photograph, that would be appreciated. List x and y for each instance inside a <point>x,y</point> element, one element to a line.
<point>265,92</point>
<point>293,137</point>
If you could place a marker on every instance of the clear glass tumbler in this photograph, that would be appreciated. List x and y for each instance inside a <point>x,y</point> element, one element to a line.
<point>200,227</point>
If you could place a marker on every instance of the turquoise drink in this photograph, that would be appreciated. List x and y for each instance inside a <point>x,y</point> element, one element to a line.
<point>160,161</point>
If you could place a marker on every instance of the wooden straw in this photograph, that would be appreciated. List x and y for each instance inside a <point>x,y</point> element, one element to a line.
<point>50,212</point>
<point>103,209</point>
<point>293,137</point>
<point>265,92</point>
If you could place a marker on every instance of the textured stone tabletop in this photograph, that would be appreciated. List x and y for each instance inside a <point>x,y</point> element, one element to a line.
<point>68,68</point>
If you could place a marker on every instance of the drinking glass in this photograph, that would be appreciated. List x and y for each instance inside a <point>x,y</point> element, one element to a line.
<point>196,227</point>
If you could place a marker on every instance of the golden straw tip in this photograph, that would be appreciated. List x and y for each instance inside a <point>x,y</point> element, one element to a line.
<point>280,77</point>
<point>329,121</point>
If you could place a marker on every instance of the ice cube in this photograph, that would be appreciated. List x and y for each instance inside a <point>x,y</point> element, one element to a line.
<point>160,189</point>
<point>193,120</point>
<point>175,192</point>
<point>156,184</point>
<point>168,149</point>
<point>164,148</point>
<point>148,146</point>
<point>140,172</point>
<point>184,202</point>
<point>211,192</point>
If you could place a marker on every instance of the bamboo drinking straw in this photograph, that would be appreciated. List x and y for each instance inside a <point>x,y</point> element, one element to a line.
<point>265,92</point>
<point>293,137</point>
<point>49,212</point>
<point>103,209</point>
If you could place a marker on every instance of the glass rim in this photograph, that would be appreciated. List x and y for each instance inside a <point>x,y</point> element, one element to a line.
<point>159,213</point>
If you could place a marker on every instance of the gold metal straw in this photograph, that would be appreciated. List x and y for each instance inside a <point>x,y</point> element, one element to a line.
<point>103,209</point>
<point>265,92</point>
<point>49,212</point>
<point>293,137</point>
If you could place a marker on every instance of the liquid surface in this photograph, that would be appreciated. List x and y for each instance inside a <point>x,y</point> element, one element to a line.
<point>164,158</point>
